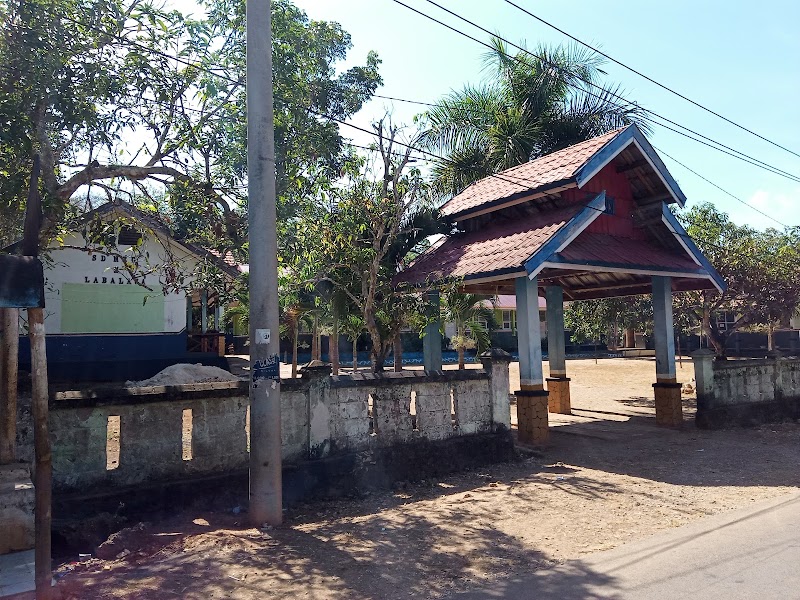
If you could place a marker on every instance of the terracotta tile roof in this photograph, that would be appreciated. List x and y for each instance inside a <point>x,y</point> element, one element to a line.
<point>227,258</point>
<point>558,167</point>
<point>497,248</point>
<point>611,250</point>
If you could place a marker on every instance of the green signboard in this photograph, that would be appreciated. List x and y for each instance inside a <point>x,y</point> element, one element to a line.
<point>110,309</point>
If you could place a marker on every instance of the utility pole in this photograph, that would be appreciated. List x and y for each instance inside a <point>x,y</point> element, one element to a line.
<point>265,383</point>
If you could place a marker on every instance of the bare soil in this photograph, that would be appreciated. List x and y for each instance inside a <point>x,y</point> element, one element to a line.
<point>610,476</point>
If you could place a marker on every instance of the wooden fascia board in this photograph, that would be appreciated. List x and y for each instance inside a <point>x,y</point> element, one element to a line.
<point>691,249</point>
<point>631,135</point>
<point>564,236</point>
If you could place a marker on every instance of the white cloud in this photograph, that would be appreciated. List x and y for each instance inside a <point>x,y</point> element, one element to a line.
<point>783,206</point>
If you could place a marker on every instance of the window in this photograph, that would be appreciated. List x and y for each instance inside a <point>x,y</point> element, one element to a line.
<point>506,320</point>
<point>725,320</point>
<point>128,236</point>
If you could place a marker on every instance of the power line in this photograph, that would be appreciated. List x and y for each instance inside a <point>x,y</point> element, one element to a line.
<point>507,179</point>
<point>650,79</point>
<point>738,154</point>
<point>651,120</point>
<point>767,166</point>
<point>721,189</point>
<point>204,68</point>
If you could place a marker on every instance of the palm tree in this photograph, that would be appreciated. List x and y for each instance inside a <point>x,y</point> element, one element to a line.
<point>472,318</point>
<point>533,103</point>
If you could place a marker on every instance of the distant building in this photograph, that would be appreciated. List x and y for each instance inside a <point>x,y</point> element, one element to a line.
<point>102,325</point>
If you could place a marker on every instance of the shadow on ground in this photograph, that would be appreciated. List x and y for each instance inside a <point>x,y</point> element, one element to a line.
<point>686,456</point>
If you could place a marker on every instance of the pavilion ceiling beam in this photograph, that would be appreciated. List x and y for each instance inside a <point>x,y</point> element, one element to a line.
<point>630,167</point>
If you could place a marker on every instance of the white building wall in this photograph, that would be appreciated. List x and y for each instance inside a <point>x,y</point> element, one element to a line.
<point>111,302</point>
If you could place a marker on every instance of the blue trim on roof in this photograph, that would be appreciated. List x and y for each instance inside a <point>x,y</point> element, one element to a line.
<point>579,222</point>
<point>615,146</point>
<point>695,251</point>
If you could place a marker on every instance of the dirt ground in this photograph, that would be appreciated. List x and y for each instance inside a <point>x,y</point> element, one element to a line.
<point>610,476</point>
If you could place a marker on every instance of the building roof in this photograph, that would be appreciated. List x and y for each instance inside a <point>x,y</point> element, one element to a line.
<point>499,248</point>
<point>555,169</point>
<point>568,168</point>
<point>556,246</point>
<point>509,302</point>
<point>226,262</point>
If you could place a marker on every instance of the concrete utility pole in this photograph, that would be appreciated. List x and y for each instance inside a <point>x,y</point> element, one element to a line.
<point>265,384</point>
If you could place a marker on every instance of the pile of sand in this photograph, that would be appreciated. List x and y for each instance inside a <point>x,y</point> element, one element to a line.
<point>183,374</point>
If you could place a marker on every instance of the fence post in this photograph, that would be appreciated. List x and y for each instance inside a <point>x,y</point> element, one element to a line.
<point>495,362</point>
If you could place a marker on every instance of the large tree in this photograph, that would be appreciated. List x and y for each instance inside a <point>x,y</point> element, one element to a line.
<point>357,234</point>
<point>761,269</point>
<point>532,103</point>
<point>121,96</point>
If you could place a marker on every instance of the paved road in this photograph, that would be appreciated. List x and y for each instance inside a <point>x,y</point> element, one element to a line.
<point>753,553</point>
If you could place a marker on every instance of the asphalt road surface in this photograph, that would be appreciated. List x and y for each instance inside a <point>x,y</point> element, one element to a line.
<point>751,553</point>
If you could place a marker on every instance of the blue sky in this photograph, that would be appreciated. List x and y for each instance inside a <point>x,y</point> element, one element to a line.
<point>742,59</point>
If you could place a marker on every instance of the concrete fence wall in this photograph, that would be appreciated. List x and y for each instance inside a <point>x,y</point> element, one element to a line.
<point>122,437</point>
<point>731,392</point>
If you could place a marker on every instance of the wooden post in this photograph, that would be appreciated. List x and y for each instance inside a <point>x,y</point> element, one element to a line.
<point>9,363</point>
<point>44,462</point>
<point>398,353</point>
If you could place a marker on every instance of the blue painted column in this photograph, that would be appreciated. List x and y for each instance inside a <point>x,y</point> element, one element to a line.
<point>529,335</point>
<point>558,382</point>
<point>432,340</point>
<point>203,311</point>
<point>532,405</point>
<point>663,330</point>
<point>555,331</point>
<point>667,390</point>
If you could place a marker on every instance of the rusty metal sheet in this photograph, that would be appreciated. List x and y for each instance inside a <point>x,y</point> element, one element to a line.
<point>21,282</point>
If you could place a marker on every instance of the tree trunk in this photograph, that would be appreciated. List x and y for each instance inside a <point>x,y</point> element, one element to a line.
<point>461,363</point>
<point>333,344</point>
<point>614,335</point>
<point>315,345</point>
<point>770,338</point>
<point>43,475</point>
<point>355,354</point>
<point>9,356</point>
<point>398,354</point>
<point>295,336</point>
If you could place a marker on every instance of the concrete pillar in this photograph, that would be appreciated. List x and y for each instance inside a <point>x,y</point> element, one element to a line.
<point>532,398</point>
<point>529,334</point>
<point>203,311</point>
<point>704,383</point>
<point>558,382</point>
<point>667,390</point>
<point>495,362</point>
<point>432,340</point>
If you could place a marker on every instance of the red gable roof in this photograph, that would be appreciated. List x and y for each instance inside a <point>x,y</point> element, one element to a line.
<point>536,175</point>
<point>497,248</point>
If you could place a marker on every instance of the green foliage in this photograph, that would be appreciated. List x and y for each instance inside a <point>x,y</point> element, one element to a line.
<point>606,319</point>
<point>354,236</point>
<point>529,106</point>
<point>473,319</point>
<point>761,268</point>
<point>81,80</point>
